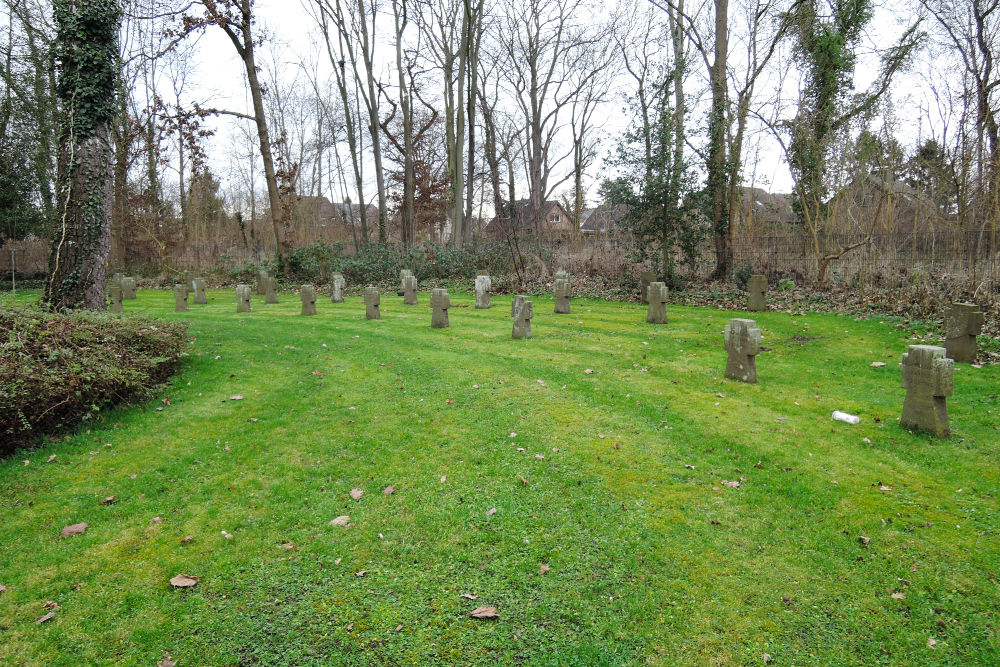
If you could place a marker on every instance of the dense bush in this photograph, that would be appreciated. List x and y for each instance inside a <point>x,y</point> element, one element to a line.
<point>316,262</point>
<point>57,370</point>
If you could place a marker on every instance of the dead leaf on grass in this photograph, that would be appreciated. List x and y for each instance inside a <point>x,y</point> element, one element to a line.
<point>167,661</point>
<point>50,605</point>
<point>341,521</point>
<point>731,485</point>
<point>389,490</point>
<point>544,568</point>
<point>898,596</point>
<point>864,540</point>
<point>491,511</point>
<point>360,573</point>
<point>75,529</point>
<point>878,364</point>
<point>484,612</point>
<point>469,596</point>
<point>237,397</point>
<point>52,458</point>
<point>589,371</point>
<point>357,493</point>
<point>110,500</point>
<point>398,628</point>
<point>523,480</point>
<point>48,617</point>
<point>444,478</point>
<point>287,546</point>
<point>931,642</point>
<point>3,589</point>
<point>184,581</point>
<point>187,539</point>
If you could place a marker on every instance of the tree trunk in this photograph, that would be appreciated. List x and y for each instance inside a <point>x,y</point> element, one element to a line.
<point>87,56</point>
<point>717,172</point>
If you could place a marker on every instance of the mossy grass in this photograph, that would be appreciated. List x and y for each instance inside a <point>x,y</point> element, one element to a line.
<point>653,558</point>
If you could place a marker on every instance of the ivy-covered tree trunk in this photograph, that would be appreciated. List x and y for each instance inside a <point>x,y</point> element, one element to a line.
<point>87,72</point>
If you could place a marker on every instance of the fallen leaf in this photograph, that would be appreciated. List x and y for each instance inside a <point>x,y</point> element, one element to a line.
<point>50,605</point>
<point>732,485</point>
<point>541,382</point>
<point>448,401</point>
<point>237,397</point>
<point>226,535</point>
<point>157,519</point>
<point>618,445</point>
<point>350,626</point>
<point>48,617</point>
<point>443,478</point>
<point>913,568</point>
<point>75,529</point>
<point>540,457</point>
<point>357,493</point>
<point>184,581</point>
<point>689,466</point>
<point>52,458</point>
<point>491,511</point>
<point>27,463</point>
<point>512,435</point>
<point>878,364</point>
<point>398,628</point>
<point>766,658</point>
<point>544,568</point>
<point>931,642</point>
<point>287,546</point>
<point>341,521</point>
<point>469,596</point>
<point>360,573</point>
<point>319,373</point>
<point>187,539</point>
<point>588,372</point>
<point>389,490</point>
<point>898,596</point>
<point>167,661</point>
<point>475,386</point>
<point>484,612</point>
<point>885,488</point>
<point>110,500</point>
<point>864,540</point>
<point>3,589</point>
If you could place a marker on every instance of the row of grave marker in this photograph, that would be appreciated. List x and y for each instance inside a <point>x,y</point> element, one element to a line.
<point>927,370</point>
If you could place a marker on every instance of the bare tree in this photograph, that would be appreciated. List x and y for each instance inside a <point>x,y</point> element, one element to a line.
<point>236,18</point>
<point>544,42</point>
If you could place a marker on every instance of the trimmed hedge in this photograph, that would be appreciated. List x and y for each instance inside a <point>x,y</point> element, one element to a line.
<point>59,370</point>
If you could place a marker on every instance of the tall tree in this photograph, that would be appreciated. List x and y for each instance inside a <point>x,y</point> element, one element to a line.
<point>87,64</point>
<point>236,18</point>
<point>827,35</point>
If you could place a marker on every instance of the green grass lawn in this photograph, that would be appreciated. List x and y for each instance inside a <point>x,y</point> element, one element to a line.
<point>651,557</point>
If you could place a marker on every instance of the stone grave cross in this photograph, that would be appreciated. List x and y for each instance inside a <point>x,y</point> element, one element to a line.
<point>928,377</point>
<point>743,345</point>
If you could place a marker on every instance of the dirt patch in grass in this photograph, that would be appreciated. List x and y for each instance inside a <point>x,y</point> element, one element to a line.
<point>56,370</point>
